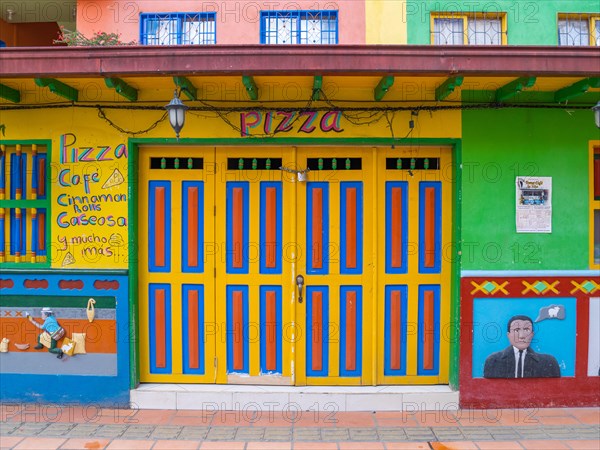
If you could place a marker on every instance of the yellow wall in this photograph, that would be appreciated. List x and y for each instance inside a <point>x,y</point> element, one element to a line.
<point>88,187</point>
<point>87,152</point>
<point>386,22</point>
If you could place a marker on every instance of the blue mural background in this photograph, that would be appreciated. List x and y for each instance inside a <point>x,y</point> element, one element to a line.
<point>553,336</point>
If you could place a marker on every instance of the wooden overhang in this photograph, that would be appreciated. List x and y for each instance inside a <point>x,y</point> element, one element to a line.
<point>299,60</point>
<point>520,73</point>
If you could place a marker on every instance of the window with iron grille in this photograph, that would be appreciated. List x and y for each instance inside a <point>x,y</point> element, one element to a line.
<point>24,204</point>
<point>578,30</point>
<point>299,27</point>
<point>468,29</point>
<point>178,28</point>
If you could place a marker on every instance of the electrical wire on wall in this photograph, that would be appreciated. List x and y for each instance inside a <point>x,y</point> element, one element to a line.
<point>356,115</point>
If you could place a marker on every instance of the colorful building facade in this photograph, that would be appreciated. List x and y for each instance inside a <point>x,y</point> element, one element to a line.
<point>341,214</point>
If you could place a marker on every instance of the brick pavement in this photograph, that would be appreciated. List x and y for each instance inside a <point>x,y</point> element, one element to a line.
<point>30,426</point>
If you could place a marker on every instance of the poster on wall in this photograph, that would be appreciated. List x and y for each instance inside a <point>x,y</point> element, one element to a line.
<point>534,204</point>
<point>524,338</point>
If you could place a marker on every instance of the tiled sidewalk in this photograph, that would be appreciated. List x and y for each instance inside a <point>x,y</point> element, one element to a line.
<point>30,426</point>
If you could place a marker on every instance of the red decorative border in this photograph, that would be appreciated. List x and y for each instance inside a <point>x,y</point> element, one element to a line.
<point>6,283</point>
<point>106,285</point>
<point>579,390</point>
<point>36,284</point>
<point>70,284</point>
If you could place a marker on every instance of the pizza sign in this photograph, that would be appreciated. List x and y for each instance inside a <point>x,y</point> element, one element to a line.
<point>90,218</point>
<point>255,123</point>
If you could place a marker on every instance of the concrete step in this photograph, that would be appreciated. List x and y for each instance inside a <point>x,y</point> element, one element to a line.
<point>293,398</point>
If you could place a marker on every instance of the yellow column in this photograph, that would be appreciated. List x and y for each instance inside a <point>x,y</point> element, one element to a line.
<point>385,22</point>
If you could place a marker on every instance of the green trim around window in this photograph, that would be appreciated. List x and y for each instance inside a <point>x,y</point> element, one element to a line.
<point>37,204</point>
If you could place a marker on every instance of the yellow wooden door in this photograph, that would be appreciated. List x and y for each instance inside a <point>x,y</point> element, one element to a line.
<point>282,213</point>
<point>253,265</point>
<point>176,281</point>
<point>334,231</point>
<point>414,248</point>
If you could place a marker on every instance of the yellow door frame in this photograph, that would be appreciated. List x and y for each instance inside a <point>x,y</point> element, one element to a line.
<point>294,366</point>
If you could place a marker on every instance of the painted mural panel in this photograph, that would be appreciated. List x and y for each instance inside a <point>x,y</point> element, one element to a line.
<point>560,325</point>
<point>74,325</point>
<point>58,337</point>
<point>524,338</point>
<point>89,205</point>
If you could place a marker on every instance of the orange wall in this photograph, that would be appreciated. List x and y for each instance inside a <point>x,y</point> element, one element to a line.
<point>237,22</point>
<point>37,34</point>
<point>8,33</point>
<point>101,335</point>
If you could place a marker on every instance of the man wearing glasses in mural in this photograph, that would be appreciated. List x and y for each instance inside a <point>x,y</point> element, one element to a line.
<point>519,360</point>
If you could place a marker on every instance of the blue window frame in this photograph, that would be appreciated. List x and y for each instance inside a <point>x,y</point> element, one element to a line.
<point>178,28</point>
<point>299,27</point>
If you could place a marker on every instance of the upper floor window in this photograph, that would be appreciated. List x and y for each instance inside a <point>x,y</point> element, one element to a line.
<point>468,29</point>
<point>24,203</point>
<point>298,27</point>
<point>178,28</point>
<point>578,29</point>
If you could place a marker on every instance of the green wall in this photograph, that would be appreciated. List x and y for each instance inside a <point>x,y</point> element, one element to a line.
<point>497,146</point>
<point>528,22</point>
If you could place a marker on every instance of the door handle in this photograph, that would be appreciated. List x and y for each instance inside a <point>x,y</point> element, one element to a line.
<point>300,284</point>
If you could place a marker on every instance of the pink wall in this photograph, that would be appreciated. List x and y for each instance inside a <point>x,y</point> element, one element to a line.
<point>237,21</point>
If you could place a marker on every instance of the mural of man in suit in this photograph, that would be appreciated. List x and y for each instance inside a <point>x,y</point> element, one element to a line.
<point>519,360</point>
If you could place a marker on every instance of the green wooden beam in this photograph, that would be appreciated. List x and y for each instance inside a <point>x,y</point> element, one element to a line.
<point>187,87</point>
<point>317,83</point>
<point>122,88</point>
<point>382,87</point>
<point>9,94</point>
<point>58,88</point>
<point>576,89</point>
<point>447,88</point>
<point>250,87</point>
<point>513,88</point>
